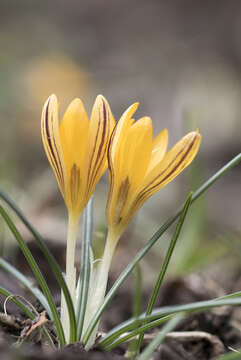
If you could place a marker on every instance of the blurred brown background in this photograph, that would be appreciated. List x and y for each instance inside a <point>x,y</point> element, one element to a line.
<point>180,59</point>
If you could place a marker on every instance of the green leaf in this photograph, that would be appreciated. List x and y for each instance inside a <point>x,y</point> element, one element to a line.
<point>17,302</point>
<point>32,263</point>
<point>146,354</point>
<point>163,312</point>
<point>107,345</point>
<point>166,262</point>
<point>51,260</point>
<point>234,355</point>
<point>87,229</point>
<point>137,300</point>
<point>26,310</point>
<point>28,284</point>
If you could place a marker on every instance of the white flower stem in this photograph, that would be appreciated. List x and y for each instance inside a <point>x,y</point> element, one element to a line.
<point>70,276</point>
<point>98,292</point>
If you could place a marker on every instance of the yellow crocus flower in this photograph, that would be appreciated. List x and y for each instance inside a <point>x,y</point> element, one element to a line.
<point>139,166</point>
<point>77,151</point>
<point>77,148</point>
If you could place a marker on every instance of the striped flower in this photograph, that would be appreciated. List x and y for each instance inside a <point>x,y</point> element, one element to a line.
<point>140,166</point>
<point>77,148</point>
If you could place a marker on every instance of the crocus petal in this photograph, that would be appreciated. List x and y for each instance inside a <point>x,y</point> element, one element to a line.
<point>116,163</point>
<point>159,148</point>
<point>137,151</point>
<point>74,130</point>
<point>174,162</point>
<point>51,140</point>
<point>118,136</point>
<point>101,126</point>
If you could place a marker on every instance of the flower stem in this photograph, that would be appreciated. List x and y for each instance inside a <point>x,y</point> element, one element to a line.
<point>70,276</point>
<point>97,294</point>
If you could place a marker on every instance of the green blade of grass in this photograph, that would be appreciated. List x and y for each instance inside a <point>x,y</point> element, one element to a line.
<point>235,294</point>
<point>34,267</point>
<point>27,312</point>
<point>234,355</point>
<point>137,300</point>
<point>146,354</point>
<point>166,262</point>
<point>87,229</point>
<point>137,292</point>
<point>160,313</point>
<point>216,176</point>
<point>24,280</point>
<point>51,260</point>
<point>133,333</point>
<point>17,302</point>
<point>151,242</point>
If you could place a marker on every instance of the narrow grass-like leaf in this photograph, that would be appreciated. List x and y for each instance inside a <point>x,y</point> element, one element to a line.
<point>125,331</point>
<point>229,296</point>
<point>51,260</point>
<point>24,280</point>
<point>166,262</point>
<point>151,242</point>
<point>137,291</point>
<point>34,267</point>
<point>216,176</point>
<point>137,300</point>
<point>234,355</point>
<point>126,336</point>
<point>27,312</point>
<point>159,313</point>
<point>17,302</point>
<point>146,354</point>
<point>87,228</point>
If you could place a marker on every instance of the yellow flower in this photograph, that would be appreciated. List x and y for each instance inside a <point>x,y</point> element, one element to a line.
<point>139,166</point>
<point>77,148</point>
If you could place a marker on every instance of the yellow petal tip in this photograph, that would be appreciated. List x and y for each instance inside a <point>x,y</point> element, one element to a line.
<point>52,97</point>
<point>136,105</point>
<point>76,104</point>
<point>51,100</point>
<point>101,97</point>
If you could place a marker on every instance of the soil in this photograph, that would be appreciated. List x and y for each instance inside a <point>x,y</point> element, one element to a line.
<point>202,335</point>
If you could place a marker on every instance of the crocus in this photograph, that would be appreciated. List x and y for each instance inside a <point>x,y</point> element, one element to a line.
<point>77,151</point>
<point>77,148</point>
<point>139,166</point>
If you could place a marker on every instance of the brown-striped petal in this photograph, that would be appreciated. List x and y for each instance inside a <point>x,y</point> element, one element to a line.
<point>74,129</point>
<point>159,148</point>
<point>173,163</point>
<point>119,186</point>
<point>100,129</point>
<point>51,140</point>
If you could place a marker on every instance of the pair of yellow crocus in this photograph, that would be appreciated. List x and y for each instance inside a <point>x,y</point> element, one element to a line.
<point>80,149</point>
